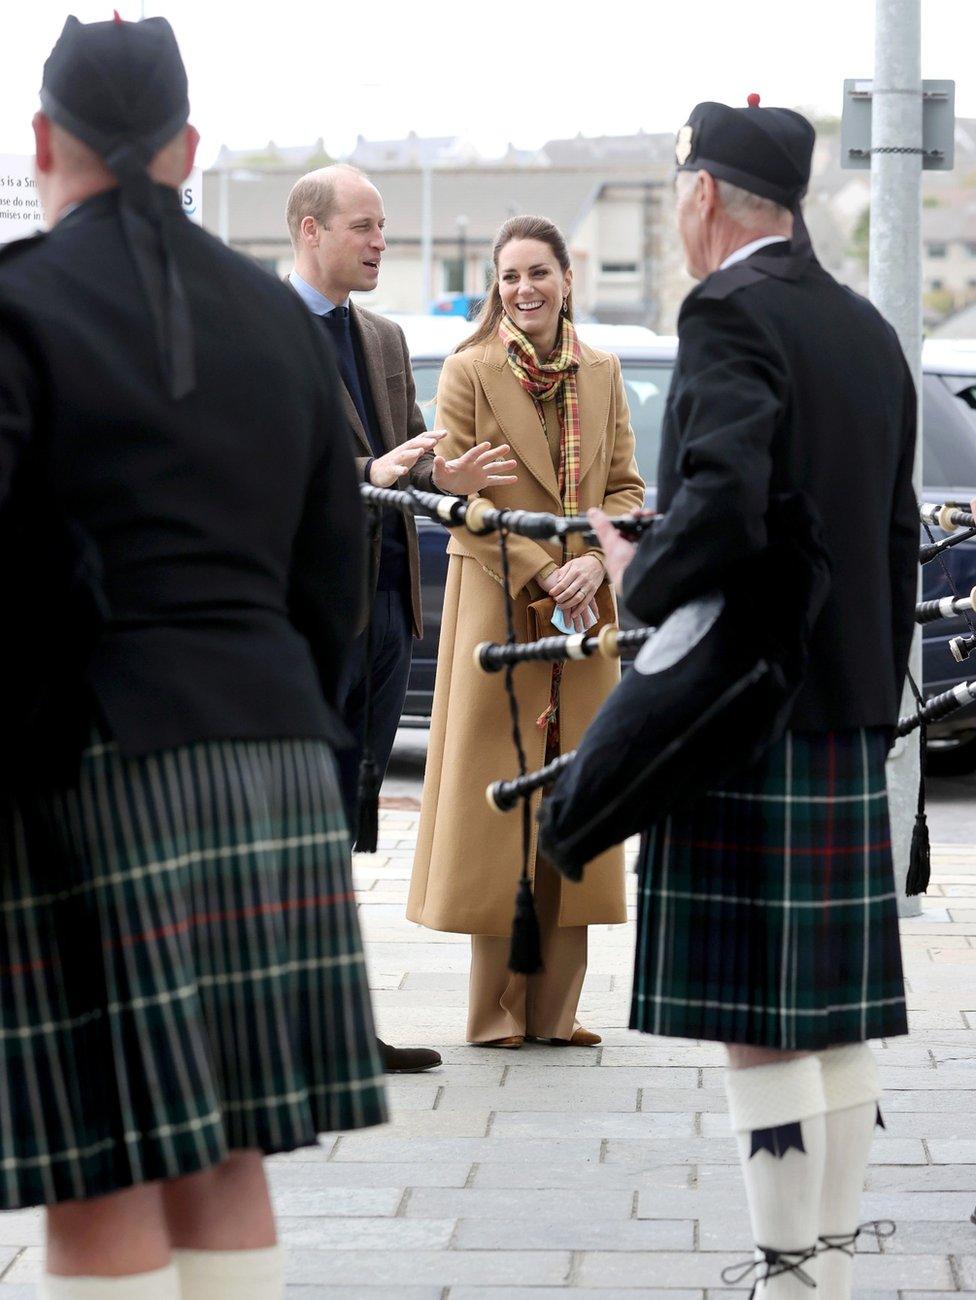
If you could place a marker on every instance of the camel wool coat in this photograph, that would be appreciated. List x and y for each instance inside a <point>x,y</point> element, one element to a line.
<point>469,857</point>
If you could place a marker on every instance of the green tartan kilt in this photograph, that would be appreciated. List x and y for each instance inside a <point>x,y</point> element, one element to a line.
<point>181,971</point>
<point>767,911</point>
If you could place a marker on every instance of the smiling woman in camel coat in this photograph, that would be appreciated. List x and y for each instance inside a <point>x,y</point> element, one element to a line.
<point>469,857</point>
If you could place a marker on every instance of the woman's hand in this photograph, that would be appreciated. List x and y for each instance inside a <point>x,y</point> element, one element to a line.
<point>480,467</point>
<point>574,585</point>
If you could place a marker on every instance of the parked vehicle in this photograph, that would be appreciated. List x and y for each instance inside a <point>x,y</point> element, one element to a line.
<point>647,359</point>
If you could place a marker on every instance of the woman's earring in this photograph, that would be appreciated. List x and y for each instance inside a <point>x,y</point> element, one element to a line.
<point>565,306</point>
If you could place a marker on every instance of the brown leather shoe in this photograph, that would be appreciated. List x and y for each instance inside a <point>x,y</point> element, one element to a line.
<point>407,1060</point>
<point>513,1042</point>
<point>581,1038</point>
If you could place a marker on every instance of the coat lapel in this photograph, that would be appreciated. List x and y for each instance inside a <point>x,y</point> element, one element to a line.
<point>348,405</point>
<point>594,384</point>
<point>355,423</point>
<point>376,374</point>
<point>516,414</point>
<point>517,417</point>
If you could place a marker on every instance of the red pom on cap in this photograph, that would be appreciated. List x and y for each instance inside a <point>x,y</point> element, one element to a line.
<point>752,100</point>
<point>117,16</point>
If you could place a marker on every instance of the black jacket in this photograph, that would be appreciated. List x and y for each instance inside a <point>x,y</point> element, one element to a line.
<point>227,526</point>
<point>787,380</point>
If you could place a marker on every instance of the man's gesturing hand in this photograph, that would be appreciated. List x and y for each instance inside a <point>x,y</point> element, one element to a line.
<point>385,470</point>
<point>617,551</point>
<point>480,467</point>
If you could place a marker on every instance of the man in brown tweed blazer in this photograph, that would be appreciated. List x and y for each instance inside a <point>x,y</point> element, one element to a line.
<point>336,221</point>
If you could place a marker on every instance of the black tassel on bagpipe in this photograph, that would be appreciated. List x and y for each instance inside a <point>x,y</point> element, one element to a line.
<point>525,953</point>
<point>920,854</point>
<point>370,780</point>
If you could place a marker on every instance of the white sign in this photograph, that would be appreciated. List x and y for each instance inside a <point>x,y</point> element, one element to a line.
<point>20,208</point>
<point>191,195</point>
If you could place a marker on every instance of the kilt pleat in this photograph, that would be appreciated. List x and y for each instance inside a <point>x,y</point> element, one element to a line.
<point>767,910</point>
<point>181,972</point>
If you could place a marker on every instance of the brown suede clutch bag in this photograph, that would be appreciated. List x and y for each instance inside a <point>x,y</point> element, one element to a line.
<point>541,611</point>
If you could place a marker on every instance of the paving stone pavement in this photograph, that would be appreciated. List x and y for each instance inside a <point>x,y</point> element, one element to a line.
<point>606,1172</point>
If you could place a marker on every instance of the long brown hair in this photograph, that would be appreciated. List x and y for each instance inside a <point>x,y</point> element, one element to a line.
<point>539,228</point>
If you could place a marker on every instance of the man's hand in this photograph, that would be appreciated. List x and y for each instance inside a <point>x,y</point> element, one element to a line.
<point>617,551</point>
<point>480,467</point>
<point>972,507</point>
<point>385,470</point>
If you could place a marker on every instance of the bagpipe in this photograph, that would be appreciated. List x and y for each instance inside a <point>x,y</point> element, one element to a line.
<point>710,689</point>
<point>587,804</point>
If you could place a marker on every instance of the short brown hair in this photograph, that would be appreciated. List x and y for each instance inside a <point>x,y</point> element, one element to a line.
<point>314,195</point>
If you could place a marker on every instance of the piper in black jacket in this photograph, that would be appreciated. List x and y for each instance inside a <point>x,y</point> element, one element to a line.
<point>767,916</point>
<point>182,985</point>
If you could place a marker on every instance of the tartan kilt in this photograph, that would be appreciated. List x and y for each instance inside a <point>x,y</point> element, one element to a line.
<point>767,911</point>
<point>181,971</point>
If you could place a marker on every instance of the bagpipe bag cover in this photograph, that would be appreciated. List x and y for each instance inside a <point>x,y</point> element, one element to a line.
<point>709,692</point>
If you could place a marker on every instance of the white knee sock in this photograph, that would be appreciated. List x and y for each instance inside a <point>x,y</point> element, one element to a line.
<point>851,1089</point>
<point>161,1284</point>
<point>231,1274</point>
<point>784,1190</point>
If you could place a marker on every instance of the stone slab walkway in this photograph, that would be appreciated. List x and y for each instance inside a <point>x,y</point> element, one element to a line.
<point>608,1172</point>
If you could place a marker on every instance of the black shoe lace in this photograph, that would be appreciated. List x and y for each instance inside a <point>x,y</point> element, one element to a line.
<point>775,1262</point>
<point>846,1241</point>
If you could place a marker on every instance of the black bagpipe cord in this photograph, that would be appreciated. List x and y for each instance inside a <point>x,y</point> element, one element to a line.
<point>525,954</point>
<point>368,791</point>
<point>920,855</point>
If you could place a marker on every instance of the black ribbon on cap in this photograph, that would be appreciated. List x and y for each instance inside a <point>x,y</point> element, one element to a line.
<point>146,232</point>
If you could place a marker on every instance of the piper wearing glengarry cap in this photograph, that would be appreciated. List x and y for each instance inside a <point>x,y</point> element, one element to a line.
<point>767,916</point>
<point>182,984</point>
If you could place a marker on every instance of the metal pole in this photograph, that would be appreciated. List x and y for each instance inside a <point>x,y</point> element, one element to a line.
<point>895,278</point>
<point>462,230</point>
<point>426,235</point>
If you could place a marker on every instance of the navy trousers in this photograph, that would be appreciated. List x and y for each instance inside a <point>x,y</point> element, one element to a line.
<point>392,628</point>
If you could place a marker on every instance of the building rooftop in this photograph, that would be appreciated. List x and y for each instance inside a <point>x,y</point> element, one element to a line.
<point>412,151</point>
<point>487,196</point>
<point>612,150</point>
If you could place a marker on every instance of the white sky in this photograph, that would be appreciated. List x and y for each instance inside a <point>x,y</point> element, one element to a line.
<point>293,71</point>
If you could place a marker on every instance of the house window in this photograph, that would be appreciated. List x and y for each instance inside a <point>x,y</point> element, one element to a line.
<point>937,250</point>
<point>935,285</point>
<point>453,275</point>
<point>970,248</point>
<point>618,268</point>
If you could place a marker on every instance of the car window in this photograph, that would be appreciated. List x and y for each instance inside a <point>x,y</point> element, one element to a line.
<point>646,385</point>
<point>949,432</point>
<point>425,376</point>
<point>963,388</point>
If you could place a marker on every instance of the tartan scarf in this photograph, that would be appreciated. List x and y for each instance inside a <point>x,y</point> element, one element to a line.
<point>545,381</point>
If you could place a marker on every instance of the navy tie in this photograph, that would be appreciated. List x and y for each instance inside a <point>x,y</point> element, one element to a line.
<point>340,331</point>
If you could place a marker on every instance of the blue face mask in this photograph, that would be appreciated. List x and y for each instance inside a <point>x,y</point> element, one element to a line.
<point>558,621</point>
